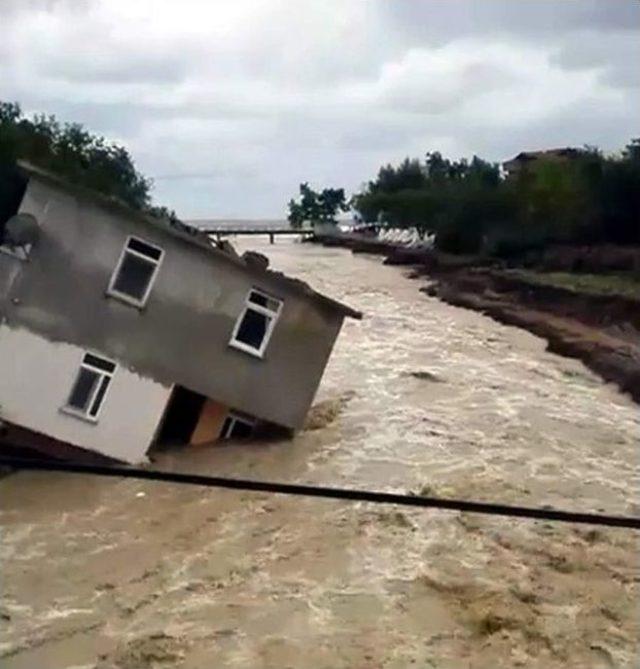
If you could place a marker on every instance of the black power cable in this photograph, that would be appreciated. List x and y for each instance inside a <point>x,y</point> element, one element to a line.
<point>324,492</point>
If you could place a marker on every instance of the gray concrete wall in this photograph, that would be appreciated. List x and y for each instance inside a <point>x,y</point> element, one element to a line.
<point>182,334</point>
<point>10,267</point>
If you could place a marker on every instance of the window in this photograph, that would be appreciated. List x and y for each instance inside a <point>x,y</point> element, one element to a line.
<point>255,325</point>
<point>237,427</point>
<point>90,387</point>
<point>136,271</point>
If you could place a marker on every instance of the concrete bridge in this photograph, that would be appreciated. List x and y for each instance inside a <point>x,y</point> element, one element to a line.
<point>220,231</point>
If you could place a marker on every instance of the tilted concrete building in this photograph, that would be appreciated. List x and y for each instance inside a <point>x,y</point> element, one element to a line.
<point>119,332</point>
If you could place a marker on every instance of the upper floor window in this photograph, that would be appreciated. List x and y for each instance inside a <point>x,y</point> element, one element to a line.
<point>136,271</point>
<point>90,387</point>
<point>256,322</point>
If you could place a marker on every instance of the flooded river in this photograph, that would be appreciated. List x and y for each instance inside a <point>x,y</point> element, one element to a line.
<point>419,396</point>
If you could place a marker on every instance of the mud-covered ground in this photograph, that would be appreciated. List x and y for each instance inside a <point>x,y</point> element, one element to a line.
<point>418,396</point>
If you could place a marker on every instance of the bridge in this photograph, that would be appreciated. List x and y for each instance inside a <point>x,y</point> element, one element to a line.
<point>220,231</point>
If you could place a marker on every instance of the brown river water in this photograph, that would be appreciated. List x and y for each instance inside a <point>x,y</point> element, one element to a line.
<point>419,396</point>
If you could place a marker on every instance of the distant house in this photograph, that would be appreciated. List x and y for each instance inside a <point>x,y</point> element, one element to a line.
<point>119,332</point>
<point>525,158</point>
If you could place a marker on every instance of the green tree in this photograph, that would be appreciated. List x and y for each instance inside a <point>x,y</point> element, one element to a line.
<point>409,175</point>
<point>454,199</point>
<point>471,207</point>
<point>74,153</point>
<point>620,196</point>
<point>314,207</point>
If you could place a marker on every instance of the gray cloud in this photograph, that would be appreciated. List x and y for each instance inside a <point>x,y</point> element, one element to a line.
<point>528,19</point>
<point>109,69</point>
<point>615,55</point>
<point>231,105</point>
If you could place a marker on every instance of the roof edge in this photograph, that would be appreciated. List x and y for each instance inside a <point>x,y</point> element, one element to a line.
<point>113,203</point>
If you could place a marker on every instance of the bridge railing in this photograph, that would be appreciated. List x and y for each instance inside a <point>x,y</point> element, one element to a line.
<point>255,230</point>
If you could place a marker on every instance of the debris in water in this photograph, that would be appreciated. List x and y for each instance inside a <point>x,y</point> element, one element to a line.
<point>490,623</point>
<point>395,519</point>
<point>426,490</point>
<point>155,650</point>
<point>425,375</point>
<point>324,413</point>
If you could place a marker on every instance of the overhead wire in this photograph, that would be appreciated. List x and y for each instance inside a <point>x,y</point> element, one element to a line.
<point>303,490</point>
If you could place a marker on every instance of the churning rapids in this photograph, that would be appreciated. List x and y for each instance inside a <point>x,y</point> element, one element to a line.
<point>419,396</point>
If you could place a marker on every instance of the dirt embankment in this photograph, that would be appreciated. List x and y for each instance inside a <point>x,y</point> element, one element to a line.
<point>601,330</point>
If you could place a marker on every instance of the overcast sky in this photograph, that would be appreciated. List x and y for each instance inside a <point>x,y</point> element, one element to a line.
<point>229,104</point>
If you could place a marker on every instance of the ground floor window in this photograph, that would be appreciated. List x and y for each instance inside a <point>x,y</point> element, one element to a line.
<point>90,387</point>
<point>255,325</point>
<point>237,427</point>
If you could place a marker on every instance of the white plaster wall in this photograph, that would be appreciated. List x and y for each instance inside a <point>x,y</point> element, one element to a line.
<point>35,380</point>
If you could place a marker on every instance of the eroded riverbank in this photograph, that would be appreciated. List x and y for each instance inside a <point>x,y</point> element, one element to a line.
<point>127,574</point>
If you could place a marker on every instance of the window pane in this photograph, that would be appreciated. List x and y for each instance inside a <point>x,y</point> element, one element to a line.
<point>258,298</point>
<point>104,384</point>
<point>241,430</point>
<point>145,249</point>
<point>100,363</point>
<point>134,276</point>
<point>264,301</point>
<point>253,328</point>
<point>83,388</point>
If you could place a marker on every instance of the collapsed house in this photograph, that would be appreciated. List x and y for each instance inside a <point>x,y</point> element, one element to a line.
<point>120,332</point>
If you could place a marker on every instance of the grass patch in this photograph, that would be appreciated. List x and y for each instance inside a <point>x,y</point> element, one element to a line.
<point>622,285</point>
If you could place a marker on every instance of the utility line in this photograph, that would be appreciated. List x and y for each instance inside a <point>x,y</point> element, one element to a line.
<point>324,492</point>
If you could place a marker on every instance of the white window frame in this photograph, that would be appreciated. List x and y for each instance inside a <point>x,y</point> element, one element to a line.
<point>111,291</point>
<point>270,313</point>
<point>86,415</point>
<point>235,418</point>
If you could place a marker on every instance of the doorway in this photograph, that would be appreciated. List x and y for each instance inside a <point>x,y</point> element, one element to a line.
<point>181,417</point>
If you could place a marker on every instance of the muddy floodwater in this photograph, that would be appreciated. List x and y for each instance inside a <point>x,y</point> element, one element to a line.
<point>418,396</point>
